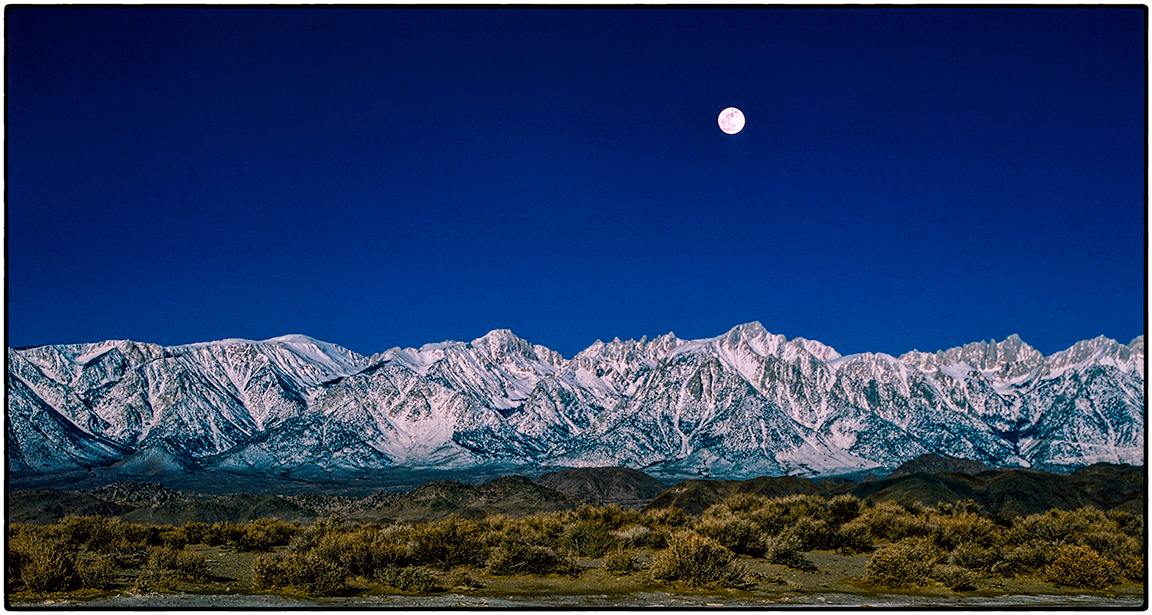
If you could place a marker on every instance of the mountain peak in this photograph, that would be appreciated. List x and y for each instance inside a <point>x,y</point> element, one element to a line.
<point>747,401</point>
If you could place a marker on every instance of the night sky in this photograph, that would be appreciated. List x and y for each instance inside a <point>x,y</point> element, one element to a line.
<point>909,178</point>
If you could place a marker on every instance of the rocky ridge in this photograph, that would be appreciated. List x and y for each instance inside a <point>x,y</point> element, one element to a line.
<point>744,403</point>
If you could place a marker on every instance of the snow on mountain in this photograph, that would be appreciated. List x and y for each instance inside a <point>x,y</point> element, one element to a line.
<point>743,403</point>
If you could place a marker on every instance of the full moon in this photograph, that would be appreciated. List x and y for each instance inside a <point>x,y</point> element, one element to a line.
<point>731,120</point>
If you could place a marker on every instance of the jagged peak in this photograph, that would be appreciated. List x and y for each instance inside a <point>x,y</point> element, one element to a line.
<point>1012,356</point>
<point>1085,349</point>
<point>503,342</point>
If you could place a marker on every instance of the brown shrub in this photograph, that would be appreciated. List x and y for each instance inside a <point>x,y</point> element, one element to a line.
<point>96,573</point>
<point>621,560</point>
<point>1128,523</point>
<point>1034,555</point>
<point>965,528</point>
<point>365,551</point>
<point>447,543</point>
<point>1113,546</point>
<point>416,579</point>
<point>304,571</point>
<point>1082,567</point>
<point>975,557</point>
<point>518,558</point>
<point>1132,566</point>
<point>739,535</point>
<point>785,551</point>
<point>903,564</point>
<point>1057,527</point>
<point>90,532</point>
<point>744,503</point>
<point>263,534</point>
<point>843,508</point>
<point>611,517</point>
<point>891,521</point>
<point>811,534</point>
<point>780,513</point>
<point>698,561</point>
<point>954,577</point>
<point>588,538</point>
<point>48,566</point>
<point>666,518</point>
<point>854,537</point>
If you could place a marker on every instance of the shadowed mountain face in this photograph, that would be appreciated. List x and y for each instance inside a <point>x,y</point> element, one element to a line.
<point>622,486</point>
<point>743,404</point>
<point>151,503</point>
<point>938,463</point>
<point>1007,493</point>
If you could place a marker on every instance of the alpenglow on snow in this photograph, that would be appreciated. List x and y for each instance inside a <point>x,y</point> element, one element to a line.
<point>742,404</point>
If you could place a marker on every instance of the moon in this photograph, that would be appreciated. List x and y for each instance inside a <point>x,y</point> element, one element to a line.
<point>731,120</point>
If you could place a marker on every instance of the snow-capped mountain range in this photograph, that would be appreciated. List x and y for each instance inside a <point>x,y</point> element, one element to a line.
<point>745,403</point>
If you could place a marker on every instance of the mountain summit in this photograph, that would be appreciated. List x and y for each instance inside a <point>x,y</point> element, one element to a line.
<point>744,403</point>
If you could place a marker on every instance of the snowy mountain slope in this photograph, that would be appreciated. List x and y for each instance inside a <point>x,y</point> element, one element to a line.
<point>743,403</point>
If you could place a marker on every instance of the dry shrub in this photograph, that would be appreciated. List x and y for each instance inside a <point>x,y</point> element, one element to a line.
<point>739,535</point>
<point>666,518</point>
<point>779,514</point>
<point>975,557</point>
<point>1057,527</point>
<point>365,551</point>
<point>903,564</point>
<point>178,564</point>
<point>151,580</point>
<point>854,537</point>
<point>174,538</point>
<point>89,532</point>
<point>634,536</point>
<point>965,528</point>
<point>1132,566</point>
<point>811,534</point>
<point>264,534</point>
<point>1082,567</point>
<point>447,543</point>
<point>892,521</point>
<point>96,573</point>
<point>1032,556</point>
<point>416,579</point>
<point>621,560</point>
<point>954,577</point>
<point>192,566</point>
<point>518,558</point>
<point>843,508</point>
<point>785,551</point>
<point>611,517</point>
<point>223,533</point>
<point>542,529</point>
<point>162,558</point>
<point>1128,523</point>
<point>194,533</point>
<point>967,506</point>
<point>698,561</point>
<point>310,536</point>
<point>304,571</point>
<point>47,565</point>
<point>745,503</point>
<point>588,538</point>
<point>461,579</point>
<point>1111,545</point>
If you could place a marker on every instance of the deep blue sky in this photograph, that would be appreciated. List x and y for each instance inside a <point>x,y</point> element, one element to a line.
<point>908,178</point>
